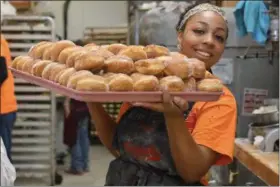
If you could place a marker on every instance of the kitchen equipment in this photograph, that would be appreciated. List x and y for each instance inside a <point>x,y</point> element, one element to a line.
<point>260,130</point>
<point>271,141</point>
<point>266,118</point>
<point>271,102</point>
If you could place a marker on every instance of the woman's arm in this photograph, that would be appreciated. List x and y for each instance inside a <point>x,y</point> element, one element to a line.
<point>67,106</point>
<point>211,141</point>
<point>192,161</point>
<point>104,125</point>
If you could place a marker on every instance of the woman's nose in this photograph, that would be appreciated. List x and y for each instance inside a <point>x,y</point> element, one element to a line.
<point>209,40</point>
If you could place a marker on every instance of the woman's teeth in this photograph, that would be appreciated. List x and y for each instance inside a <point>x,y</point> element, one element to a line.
<point>203,53</point>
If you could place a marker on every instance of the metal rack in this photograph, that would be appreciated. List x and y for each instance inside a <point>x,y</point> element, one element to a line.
<point>106,35</point>
<point>33,136</point>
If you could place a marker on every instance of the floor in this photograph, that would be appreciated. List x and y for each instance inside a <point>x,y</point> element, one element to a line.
<point>100,159</point>
<point>99,162</point>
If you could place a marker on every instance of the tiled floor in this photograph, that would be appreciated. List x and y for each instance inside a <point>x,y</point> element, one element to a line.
<point>99,162</point>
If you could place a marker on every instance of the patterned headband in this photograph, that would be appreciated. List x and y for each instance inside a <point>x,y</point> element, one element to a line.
<point>201,8</point>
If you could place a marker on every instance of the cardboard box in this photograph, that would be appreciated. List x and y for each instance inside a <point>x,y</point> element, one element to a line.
<point>229,3</point>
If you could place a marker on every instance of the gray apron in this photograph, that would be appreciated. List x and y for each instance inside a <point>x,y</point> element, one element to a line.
<point>141,137</point>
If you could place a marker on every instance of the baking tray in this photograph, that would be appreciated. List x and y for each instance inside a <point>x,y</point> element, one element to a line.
<point>113,96</point>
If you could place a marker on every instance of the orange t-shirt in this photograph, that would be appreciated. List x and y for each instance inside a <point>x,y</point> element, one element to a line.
<point>8,99</point>
<point>212,124</point>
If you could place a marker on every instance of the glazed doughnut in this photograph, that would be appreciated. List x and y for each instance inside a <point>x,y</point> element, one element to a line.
<point>70,61</point>
<point>149,66</point>
<point>119,64</point>
<point>144,82</point>
<point>154,51</point>
<point>59,74</point>
<point>47,52</point>
<point>22,61</point>
<point>35,47</point>
<point>198,68</point>
<point>90,62</point>
<point>46,73</point>
<point>109,76</point>
<point>208,75</point>
<point>64,76</point>
<point>177,55</point>
<point>57,68</point>
<point>177,67</point>
<point>92,48</point>
<point>39,66</point>
<point>190,84</point>
<point>63,55</point>
<point>58,47</point>
<point>103,52</point>
<point>27,66</point>
<point>119,82</point>
<point>134,52</point>
<point>74,78</point>
<point>116,48</point>
<point>90,45</point>
<point>210,85</point>
<point>92,84</point>
<point>172,84</point>
<point>104,47</point>
<point>17,60</point>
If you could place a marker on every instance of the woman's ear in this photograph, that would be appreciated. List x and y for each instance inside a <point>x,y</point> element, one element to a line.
<point>180,39</point>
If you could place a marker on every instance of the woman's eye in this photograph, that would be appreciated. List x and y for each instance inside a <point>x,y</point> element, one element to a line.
<point>220,38</point>
<point>197,31</point>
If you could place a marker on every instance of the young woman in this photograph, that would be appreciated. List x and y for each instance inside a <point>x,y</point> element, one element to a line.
<point>163,143</point>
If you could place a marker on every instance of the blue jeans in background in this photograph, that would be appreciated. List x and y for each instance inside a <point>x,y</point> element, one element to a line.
<point>6,126</point>
<point>80,151</point>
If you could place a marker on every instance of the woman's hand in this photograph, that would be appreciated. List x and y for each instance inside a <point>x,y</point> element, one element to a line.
<point>168,106</point>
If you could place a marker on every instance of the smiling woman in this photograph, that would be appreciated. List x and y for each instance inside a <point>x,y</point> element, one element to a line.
<point>202,34</point>
<point>166,144</point>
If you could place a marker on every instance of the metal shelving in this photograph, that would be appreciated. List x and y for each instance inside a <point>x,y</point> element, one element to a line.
<point>33,149</point>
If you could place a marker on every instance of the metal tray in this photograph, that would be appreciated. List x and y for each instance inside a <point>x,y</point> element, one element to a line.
<point>113,96</point>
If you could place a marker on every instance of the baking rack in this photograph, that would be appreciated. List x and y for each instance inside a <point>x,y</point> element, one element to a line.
<point>33,136</point>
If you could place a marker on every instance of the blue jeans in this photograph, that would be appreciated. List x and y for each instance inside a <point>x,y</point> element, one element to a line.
<point>80,151</point>
<point>6,126</point>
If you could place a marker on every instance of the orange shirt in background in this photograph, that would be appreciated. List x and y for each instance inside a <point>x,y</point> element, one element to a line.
<point>212,124</point>
<point>8,99</point>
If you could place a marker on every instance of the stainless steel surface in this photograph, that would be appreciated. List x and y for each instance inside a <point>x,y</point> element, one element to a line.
<point>260,130</point>
<point>266,118</point>
<point>271,101</point>
<point>270,143</point>
<point>33,135</point>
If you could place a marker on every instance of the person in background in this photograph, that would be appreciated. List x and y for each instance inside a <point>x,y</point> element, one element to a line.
<point>8,104</point>
<point>76,122</point>
<point>174,143</point>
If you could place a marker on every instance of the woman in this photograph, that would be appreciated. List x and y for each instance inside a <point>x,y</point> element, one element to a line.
<point>76,136</point>
<point>163,143</point>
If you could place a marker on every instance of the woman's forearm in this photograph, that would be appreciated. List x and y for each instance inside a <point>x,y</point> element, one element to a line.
<point>187,155</point>
<point>104,125</point>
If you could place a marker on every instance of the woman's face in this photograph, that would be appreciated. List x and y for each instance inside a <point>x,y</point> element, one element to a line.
<point>204,37</point>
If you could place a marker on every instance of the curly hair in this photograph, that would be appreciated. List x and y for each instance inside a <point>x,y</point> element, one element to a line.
<point>178,29</point>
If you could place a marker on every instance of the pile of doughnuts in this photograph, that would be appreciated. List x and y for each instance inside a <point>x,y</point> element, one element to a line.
<point>116,67</point>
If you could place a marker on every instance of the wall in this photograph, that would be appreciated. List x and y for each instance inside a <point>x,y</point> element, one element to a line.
<point>83,14</point>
